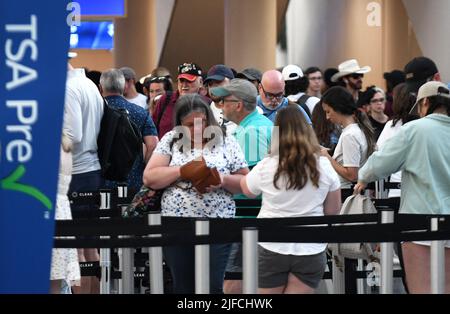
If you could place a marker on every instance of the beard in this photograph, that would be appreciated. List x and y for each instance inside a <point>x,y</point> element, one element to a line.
<point>357,85</point>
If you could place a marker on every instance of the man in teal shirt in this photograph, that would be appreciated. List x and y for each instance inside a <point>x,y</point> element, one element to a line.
<point>239,106</point>
<point>254,134</point>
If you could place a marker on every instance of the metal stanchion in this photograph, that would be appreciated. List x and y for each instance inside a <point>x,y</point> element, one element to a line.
<point>387,256</point>
<point>338,272</point>
<point>126,266</point>
<point>360,286</point>
<point>250,260</point>
<point>437,261</point>
<point>105,253</point>
<point>155,258</point>
<point>202,259</point>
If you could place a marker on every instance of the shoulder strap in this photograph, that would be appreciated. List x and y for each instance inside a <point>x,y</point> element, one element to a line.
<point>163,108</point>
<point>303,99</point>
<point>302,103</point>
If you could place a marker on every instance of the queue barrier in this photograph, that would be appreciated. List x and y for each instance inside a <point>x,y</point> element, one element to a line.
<point>375,228</point>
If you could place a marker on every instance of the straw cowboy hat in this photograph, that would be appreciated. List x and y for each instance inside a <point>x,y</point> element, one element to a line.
<point>349,67</point>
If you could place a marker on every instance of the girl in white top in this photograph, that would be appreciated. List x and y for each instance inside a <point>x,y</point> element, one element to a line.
<point>357,141</point>
<point>294,181</point>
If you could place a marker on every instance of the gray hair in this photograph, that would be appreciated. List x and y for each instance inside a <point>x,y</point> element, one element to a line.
<point>249,106</point>
<point>113,81</point>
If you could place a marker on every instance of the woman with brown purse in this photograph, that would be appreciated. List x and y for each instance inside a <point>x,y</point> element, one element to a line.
<point>200,169</point>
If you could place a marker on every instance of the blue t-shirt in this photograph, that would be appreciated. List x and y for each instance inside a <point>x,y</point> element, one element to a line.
<point>272,113</point>
<point>142,119</point>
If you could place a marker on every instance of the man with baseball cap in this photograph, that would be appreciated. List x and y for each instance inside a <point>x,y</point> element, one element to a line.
<point>254,136</point>
<point>351,76</point>
<point>238,101</point>
<point>419,71</point>
<point>296,87</point>
<point>252,75</point>
<point>190,81</point>
<point>219,75</point>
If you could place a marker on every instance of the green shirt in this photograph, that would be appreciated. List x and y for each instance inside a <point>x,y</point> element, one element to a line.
<point>421,150</point>
<point>254,135</point>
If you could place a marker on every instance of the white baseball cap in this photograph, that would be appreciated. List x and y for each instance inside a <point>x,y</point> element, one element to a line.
<point>292,72</point>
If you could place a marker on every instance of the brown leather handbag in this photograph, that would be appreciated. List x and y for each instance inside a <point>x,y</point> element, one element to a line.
<point>200,175</point>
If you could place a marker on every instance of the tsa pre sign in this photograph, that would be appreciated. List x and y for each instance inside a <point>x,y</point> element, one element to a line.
<point>34,41</point>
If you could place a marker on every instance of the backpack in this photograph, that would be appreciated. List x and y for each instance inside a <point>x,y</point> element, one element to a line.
<point>302,103</point>
<point>354,205</point>
<point>119,143</point>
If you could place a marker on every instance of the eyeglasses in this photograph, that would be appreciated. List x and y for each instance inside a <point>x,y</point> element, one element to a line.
<point>222,101</point>
<point>270,95</point>
<point>374,101</point>
<point>356,76</point>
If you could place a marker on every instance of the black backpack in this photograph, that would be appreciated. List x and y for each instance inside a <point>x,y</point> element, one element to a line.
<point>119,143</point>
<point>302,103</point>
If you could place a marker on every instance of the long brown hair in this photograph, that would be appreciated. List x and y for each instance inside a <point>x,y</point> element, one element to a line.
<point>298,150</point>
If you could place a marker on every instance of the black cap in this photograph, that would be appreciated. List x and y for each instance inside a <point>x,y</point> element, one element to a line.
<point>395,77</point>
<point>250,74</point>
<point>418,71</point>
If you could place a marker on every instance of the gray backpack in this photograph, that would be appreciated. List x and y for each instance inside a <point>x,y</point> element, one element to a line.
<point>355,205</point>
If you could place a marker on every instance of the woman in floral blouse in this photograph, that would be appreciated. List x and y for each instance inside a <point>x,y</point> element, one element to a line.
<point>196,134</point>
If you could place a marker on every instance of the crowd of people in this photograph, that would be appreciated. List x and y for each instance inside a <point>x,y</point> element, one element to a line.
<point>302,141</point>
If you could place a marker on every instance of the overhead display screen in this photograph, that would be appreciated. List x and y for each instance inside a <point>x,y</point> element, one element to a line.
<point>92,35</point>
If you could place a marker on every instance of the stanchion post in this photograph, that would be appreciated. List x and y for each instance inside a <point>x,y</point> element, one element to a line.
<point>126,266</point>
<point>105,253</point>
<point>250,260</point>
<point>387,256</point>
<point>202,266</point>
<point>338,273</point>
<point>155,258</point>
<point>360,282</point>
<point>437,261</point>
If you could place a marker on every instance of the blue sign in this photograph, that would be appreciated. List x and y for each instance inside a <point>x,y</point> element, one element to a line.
<point>102,7</point>
<point>92,35</point>
<point>34,41</point>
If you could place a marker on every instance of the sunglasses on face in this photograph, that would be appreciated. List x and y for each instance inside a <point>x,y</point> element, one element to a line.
<point>377,100</point>
<point>271,96</point>
<point>356,76</point>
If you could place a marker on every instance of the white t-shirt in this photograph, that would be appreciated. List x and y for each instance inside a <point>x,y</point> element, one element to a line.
<point>282,203</point>
<point>140,100</point>
<point>351,150</point>
<point>310,103</point>
<point>387,133</point>
<point>83,113</point>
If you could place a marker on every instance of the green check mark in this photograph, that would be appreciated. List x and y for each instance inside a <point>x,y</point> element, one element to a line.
<point>10,183</point>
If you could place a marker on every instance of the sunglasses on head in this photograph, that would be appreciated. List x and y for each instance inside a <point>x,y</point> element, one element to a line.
<point>158,79</point>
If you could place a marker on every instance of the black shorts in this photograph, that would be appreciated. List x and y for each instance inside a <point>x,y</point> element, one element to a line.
<point>274,268</point>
